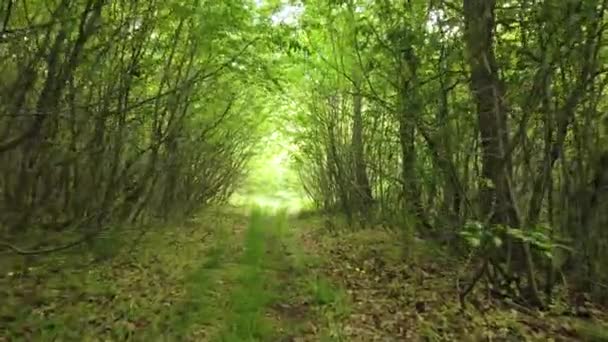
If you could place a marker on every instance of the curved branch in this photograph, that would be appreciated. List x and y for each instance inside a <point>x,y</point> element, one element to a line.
<point>75,243</point>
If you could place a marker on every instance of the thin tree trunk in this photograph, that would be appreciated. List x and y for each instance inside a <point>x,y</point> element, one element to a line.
<point>363,191</point>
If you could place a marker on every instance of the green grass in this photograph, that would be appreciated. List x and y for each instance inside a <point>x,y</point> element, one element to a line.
<point>332,306</point>
<point>106,292</point>
<point>276,270</point>
<point>180,283</point>
<point>229,294</point>
<point>200,307</point>
<point>322,291</point>
<point>246,320</point>
<point>592,332</point>
<point>330,303</point>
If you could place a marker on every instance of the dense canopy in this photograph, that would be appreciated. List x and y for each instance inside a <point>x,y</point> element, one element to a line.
<point>478,127</point>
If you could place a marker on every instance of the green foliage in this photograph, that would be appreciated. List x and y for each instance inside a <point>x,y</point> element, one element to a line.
<point>418,115</point>
<point>438,147</point>
<point>126,112</point>
<point>491,237</point>
<point>271,181</point>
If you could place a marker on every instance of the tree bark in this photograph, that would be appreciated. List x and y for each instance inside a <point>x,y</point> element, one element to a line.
<point>488,93</point>
<point>497,197</point>
<point>363,191</point>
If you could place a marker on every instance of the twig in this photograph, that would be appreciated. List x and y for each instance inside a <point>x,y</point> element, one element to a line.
<point>469,288</point>
<point>21,251</point>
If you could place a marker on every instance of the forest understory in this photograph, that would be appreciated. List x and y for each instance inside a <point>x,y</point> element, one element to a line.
<point>341,170</point>
<point>227,275</point>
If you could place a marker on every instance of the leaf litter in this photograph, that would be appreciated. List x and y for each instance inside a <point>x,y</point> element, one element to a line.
<point>398,294</point>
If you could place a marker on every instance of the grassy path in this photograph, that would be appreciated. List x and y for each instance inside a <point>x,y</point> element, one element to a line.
<point>267,291</point>
<point>254,288</point>
<point>226,276</point>
<point>290,280</point>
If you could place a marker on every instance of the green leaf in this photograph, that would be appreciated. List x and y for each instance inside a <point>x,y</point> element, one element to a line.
<point>497,241</point>
<point>474,241</point>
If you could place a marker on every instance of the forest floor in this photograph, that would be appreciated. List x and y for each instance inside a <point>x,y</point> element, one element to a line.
<point>232,276</point>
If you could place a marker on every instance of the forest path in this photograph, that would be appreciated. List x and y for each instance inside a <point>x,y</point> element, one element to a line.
<point>230,275</point>
<point>264,290</point>
<point>225,275</point>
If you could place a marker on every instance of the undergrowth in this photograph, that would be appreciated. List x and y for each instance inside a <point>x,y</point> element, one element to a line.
<point>107,290</point>
<point>402,287</point>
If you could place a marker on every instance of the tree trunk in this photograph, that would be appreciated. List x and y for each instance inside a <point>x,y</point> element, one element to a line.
<point>409,107</point>
<point>363,191</point>
<point>488,93</point>
<point>497,201</point>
